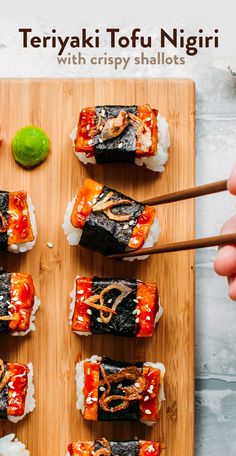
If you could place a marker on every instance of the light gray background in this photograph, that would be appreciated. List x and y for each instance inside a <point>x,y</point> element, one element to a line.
<point>215,343</point>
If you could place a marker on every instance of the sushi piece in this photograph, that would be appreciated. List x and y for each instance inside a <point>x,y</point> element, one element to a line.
<point>18,303</point>
<point>102,219</point>
<point>110,390</point>
<point>122,307</point>
<point>17,222</point>
<point>10,446</point>
<point>114,448</point>
<point>16,391</point>
<point>133,134</point>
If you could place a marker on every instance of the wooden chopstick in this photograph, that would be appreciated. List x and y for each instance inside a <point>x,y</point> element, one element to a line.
<point>201,190</point>
<point>201,243</point>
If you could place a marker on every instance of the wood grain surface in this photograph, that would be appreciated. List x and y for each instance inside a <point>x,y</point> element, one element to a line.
<point>54,105</point>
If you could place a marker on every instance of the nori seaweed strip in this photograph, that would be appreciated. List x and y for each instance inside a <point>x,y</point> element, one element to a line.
<point>125,448</point>
<point>131,413</point>
<point>122,323</point>
<point>5,278</point>
<point>4,204</point>
<point>4,396</point>
<point>108,151</point>
<point>108,236</point>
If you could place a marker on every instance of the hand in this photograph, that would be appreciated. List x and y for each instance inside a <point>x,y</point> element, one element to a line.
<point>225,262</point>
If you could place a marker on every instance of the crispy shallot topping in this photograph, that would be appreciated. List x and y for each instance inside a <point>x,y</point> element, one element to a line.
<point>142,131</point>
<point>124,291</point>
<point>130,393</point>
<point>106,204</point>
<point>91,301</point>
<point>106,448</point>
<point>137,123</point>
<point>97,129</point>
<point>8,318</point>
<point>117,217</point>
<point>115,126</point>
<point>4,227</point>
<point>6,376</point>
<point>103,203</point>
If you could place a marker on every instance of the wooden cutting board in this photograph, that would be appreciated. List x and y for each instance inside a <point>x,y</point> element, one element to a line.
<point>54,105</point>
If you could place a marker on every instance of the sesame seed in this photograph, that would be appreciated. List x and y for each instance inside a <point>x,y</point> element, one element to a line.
<point>80,319</point>
<point>148,318</point>
<point>134,312</point>
<point>99,320</point>
<point>109,301</point>
<point>1,298</point>
<point>80,292</point>
<point>125,227</point>
<point>137,320</point>
<point>50,245</point>
<point>102,388</point>
<point>94,201</point>
<point>148,412</point>
<point>90,142</point>
<point>148,119</point>
<point>120,146</point>
<point>146,398</point>
<point>139,297</point>
<point>149,391</point>
<point>120,385</point>
<point>94,399</point>
<point>138,311</point>
<point>89,400</point>
<point>137,385</point>
<point>88,127</point>
<point>100,128</point>
<point>100,140</point>
<point>89,312</point>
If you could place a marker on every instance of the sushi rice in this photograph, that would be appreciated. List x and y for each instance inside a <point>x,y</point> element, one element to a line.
<point>30,402</point>
<point>73,234</point>
<point>32,326</point>
<point>154,163</point>
<point>72,309</point>
<point>79,377</point>
<point>10,446</point>
<point>22,247</point>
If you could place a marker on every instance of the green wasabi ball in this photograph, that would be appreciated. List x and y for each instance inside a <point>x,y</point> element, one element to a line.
<point>30,146</point>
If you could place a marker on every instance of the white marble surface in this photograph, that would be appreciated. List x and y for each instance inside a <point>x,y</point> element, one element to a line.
<point>216,152</point>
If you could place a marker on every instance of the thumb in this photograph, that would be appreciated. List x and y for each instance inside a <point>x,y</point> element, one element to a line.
<point>232,181</point>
